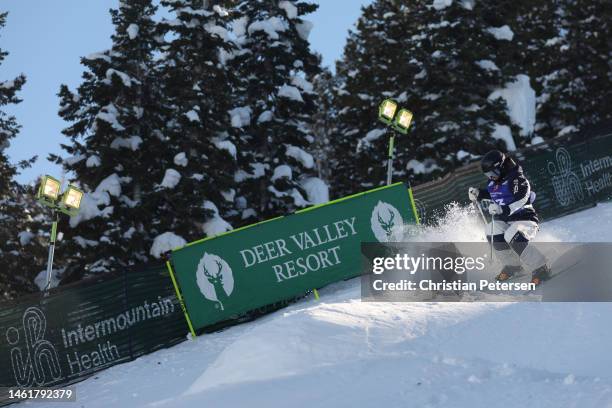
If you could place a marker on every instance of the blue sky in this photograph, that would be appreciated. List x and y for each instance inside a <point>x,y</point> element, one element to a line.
<point>46,39</point>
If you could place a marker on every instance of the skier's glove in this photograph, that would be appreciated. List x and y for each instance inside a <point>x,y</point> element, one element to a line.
<point>473,193</point>
<point>495,209</point>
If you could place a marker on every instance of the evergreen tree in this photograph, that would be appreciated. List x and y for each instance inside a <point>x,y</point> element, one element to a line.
<point>118,149</point>
<point>325,126</point>
<point>20,245</point>
<point>448,62</point>
<point>197,88</point>
<point>576,87</point>
<point>275,103</point>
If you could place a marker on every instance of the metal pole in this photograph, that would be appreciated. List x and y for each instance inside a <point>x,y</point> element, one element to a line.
<point>390,159</point>
<point>484,219</point>
<point>492,229</point>
<point>51,251</point>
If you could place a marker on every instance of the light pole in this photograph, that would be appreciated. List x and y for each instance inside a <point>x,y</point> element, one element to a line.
<point>398,121</point>
<point>68,203</point>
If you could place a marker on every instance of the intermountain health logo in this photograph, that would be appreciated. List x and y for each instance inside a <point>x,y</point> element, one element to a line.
<point>385,221</point>
<point>566,183</point>
<point>33,358</point>
<point>215,279</point>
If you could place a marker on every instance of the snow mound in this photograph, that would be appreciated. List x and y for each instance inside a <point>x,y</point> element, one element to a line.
<point>342,352</point>
<point>316,190</point>
<point>166,242</point>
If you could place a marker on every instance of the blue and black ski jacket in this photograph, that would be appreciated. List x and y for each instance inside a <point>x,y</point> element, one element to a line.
<point>512,192</point>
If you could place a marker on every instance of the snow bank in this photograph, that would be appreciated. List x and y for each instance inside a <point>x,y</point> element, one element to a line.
<point>166,242</point>
<point>521,100</point>
<point>341,352</point>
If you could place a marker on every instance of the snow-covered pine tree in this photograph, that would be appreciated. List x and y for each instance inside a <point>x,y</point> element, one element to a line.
<point>273,111</point>
<point>118,151</point>
<point>576,89</point>
<point>440,61</point>
<point>325,125</point>
<point>19,248</point>
<point>197,87</point>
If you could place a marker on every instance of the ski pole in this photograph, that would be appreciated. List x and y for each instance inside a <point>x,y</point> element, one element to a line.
<point>484,219</point>
<point>492,229</point>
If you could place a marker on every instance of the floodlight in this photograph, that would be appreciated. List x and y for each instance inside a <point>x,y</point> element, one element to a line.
<point>49,194</point>
<point>386,111</point>
<point>49,189</point>
<point>402,121</point>
<point>72,198</point>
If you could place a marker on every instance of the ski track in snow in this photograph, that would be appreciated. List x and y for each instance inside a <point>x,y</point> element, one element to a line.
<point>340,352</point>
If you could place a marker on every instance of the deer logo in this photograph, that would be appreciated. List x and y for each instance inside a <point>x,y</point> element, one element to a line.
<point>386,221</point>
<point>215,279</point>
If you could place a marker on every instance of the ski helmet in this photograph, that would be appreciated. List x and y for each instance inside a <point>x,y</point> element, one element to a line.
<point>492,163</point>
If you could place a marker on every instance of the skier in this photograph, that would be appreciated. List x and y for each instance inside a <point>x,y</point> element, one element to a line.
<point>516,221</point>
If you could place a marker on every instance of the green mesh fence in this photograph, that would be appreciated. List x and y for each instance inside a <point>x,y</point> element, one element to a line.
<point>568,174</point>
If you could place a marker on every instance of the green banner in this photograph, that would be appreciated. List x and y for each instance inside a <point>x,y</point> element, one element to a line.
<point>91,325</point>
<point>288,256</point>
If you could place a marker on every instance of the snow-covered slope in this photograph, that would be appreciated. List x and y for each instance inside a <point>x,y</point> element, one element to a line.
<point>341,352</point>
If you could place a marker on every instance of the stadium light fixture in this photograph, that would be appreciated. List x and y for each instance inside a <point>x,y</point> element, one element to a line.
<point>397,121</point>
<point>69,203</point>
<point>49,191</point>
<point>386,111</point>
<point>403,121</point>
<point>71,200</point>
